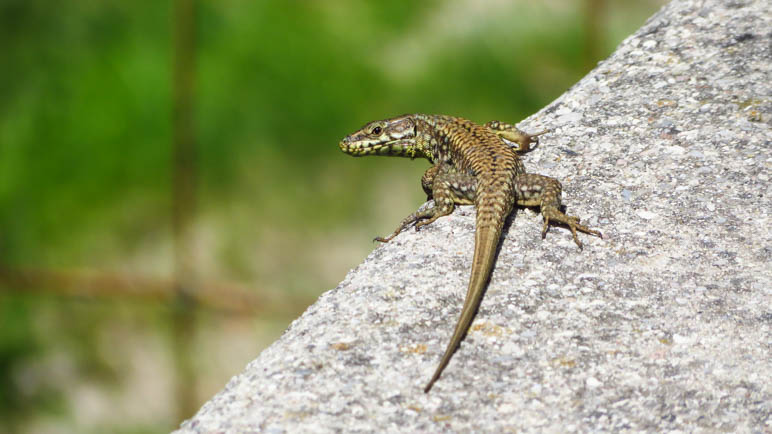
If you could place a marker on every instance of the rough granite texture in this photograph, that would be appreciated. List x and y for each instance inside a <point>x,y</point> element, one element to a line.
<point>664,325</point>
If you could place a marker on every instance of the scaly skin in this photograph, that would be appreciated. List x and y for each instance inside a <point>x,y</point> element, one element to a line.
<point>471,164</point>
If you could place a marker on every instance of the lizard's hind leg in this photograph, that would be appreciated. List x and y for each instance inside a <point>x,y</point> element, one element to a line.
<point>543,191</point>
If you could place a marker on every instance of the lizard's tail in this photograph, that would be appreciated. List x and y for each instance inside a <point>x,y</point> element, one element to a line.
<point>485,245</point>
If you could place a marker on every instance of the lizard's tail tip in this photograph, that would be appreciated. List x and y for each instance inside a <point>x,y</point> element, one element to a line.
<point>431,383</point>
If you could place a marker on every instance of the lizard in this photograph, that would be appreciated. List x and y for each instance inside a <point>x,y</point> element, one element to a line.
<point>472,164</point>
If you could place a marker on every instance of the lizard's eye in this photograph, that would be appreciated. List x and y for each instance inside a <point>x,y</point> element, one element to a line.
<point>376,131</point>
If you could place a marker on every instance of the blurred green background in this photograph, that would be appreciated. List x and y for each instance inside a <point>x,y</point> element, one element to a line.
<point>145,258</point>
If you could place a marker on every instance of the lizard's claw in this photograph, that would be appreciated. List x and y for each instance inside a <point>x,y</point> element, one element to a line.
<point>532,139</point>
<point>522,140</point>
<point>572,223</point>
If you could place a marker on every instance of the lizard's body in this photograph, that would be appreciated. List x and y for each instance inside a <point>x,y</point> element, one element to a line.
<point>471,164</point>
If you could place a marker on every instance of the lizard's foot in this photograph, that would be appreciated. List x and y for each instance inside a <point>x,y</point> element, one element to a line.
<point>404,224</point>
<point>419,218</point>
<point>429,221</point>
<point>523,139</point>
<point>554,215</point>
<point>511,134</point>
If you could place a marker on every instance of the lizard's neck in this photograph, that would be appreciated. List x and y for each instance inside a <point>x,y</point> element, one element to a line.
<point>428,140</point>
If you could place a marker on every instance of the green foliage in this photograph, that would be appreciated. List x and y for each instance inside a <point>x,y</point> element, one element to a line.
<point>83,120</point>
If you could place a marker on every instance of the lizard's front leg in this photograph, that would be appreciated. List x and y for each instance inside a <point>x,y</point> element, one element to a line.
<point>512,134</point>
<point>448,188</point>
<point>545,192</point>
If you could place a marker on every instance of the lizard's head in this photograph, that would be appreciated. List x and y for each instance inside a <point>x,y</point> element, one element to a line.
<point>395,137</point>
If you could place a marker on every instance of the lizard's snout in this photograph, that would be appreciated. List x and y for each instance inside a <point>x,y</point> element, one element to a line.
<point>349,145</point>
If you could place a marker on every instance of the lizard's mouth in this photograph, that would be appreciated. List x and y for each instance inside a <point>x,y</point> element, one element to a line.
<point>359,149</point>
<point>355,149</point>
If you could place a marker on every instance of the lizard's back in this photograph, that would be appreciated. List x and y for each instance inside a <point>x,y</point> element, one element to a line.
<point>477,150</point>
